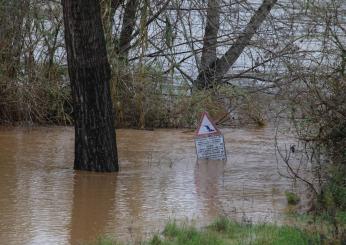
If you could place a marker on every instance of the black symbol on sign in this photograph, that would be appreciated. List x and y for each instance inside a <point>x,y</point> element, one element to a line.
<point>208,128</point>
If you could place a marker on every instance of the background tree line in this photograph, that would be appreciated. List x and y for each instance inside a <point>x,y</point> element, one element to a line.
<point>162,52</point>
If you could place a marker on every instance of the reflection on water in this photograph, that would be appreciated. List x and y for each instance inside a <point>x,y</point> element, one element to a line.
<point>93,202</point>
<point>43,201</point>
<point>208,178</point>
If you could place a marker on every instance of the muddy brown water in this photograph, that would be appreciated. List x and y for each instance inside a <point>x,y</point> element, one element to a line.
<point>44,201</point>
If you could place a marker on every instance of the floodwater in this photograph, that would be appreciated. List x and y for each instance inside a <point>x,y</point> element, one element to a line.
<point>44,201</point>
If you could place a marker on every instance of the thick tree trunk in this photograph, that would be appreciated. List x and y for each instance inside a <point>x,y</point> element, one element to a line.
<point>129,22</point>
<point>219,67</point>
<point>89,71</point>
<point>210,34</point>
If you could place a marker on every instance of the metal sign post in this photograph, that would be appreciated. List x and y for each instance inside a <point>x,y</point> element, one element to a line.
<point>209,141</point>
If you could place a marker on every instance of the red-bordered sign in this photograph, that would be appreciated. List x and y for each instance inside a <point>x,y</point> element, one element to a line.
<point>207,126</point>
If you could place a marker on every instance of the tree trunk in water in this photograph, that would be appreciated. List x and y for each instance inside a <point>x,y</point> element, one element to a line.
<point>219,67</point>
<point>89,71</point>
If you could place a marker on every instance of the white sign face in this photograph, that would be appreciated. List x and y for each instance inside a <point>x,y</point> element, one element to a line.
<point>211,148</point>
<point>206,126</point>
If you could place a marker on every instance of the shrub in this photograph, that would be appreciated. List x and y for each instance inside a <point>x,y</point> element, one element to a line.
<point>292,198</point>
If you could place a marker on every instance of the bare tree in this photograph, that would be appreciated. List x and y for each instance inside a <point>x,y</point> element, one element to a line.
<point>220,66</point>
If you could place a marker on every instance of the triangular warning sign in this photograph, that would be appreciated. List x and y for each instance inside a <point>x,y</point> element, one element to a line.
<point>206,126</point>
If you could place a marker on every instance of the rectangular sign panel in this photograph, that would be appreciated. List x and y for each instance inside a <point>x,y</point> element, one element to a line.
<point>211,148</point>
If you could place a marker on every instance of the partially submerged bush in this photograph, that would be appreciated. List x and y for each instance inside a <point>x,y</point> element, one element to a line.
<point>144,97</point>
<point>292,198</point>
<point>43,98</point>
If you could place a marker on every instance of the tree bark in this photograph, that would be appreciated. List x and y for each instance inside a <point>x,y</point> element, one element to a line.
<point>89,71</point>
<point>220,66</point>
<point>210,34</point>
<point>129,22</point>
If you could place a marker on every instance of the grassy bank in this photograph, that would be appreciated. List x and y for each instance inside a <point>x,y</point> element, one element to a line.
<point>224,231</point>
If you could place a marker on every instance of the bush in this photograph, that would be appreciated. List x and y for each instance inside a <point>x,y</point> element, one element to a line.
<point>292,198</point>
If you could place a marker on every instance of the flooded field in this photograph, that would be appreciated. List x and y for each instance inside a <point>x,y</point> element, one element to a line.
<point>44,201</point>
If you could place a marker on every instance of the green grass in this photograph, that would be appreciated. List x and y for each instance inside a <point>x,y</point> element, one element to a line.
<point>103,241</point>
<point>227,232</point>
<point>235,233</point>
<point>322,224</point>
<point>188,235</point>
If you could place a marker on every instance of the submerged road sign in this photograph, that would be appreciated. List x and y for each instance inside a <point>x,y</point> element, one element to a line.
<point>209,141</point>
